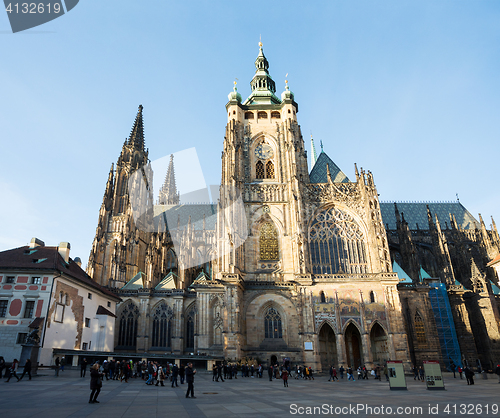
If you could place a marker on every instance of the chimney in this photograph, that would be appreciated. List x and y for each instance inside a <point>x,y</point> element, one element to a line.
<point>63,249</point>
<point>35,242</point>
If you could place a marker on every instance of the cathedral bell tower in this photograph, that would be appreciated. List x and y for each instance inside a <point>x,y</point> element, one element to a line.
<point>265,160</point>
<point>115,255</point>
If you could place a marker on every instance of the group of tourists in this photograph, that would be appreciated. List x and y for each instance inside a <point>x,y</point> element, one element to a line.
<point>12,370</point>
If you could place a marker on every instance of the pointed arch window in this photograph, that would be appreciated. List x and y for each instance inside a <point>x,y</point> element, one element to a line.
<point>420,329</point>
<point>162,326</point>
<point>269,170</point>
<point>127,330</point>
<point>259,170</point>
<point>372,297</point>
<point>268,242</point>
<point>217,323</point>
<point>272,324</point>
<point>171,260</point>
<point>190,325</point>
<point>337,244</point>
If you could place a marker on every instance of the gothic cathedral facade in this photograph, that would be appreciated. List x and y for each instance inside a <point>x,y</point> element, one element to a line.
<point>310,279</point>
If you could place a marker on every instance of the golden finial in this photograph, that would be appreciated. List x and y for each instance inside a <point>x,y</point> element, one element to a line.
<point>260,41</point>
<point>286,81</point>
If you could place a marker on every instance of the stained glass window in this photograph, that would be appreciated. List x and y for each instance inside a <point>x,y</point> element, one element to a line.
<point>337,244</point>
<point>269,170</point>
<point>127,332</point>
<point>162,326</point>
<point>259,170</point>
<point>268,242</point>
<point>420,329</point>
<point>272,324</point>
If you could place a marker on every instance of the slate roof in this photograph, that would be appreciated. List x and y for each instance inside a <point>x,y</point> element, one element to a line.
<point>47,259</point>
<point>416,213</point>
<point>318,172</point>
<point>175,214</point>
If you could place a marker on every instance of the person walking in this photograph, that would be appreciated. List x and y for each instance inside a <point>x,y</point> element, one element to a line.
<point>284,376</point>
<point>497,372</point>
<point>349,374</point>
<point>270,372</point>
<point>95,383</point>
<point>331,373</point>
<point>151,372</point>
<point>190,380</point>
<point>63,363</point>
<point>334,375</point>
<point>27,369</point>
<point>341,371</point>
<point>13,370</point>
<point>175,373</point>
<point>386,373</point>
<point>83,367</point>
<point>460,372</point>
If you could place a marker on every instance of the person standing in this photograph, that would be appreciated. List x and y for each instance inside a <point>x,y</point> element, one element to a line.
<point>214,373</point>
<point>175,373</point>
<point>95,383</point>
<point>190,380</point>
<point>2,365</point>
<point>386,372</point>
<point>58,364</point>
<point>497,372</point>
<point>83,367</point>
<point>460,372</point>
<point>270,372</point>
<point>341,371</point>
<point>182,371</point>
<point>63,363</point>
<point>219,373</point>
<point>13,369</point>
<point>160,376</point>
<point>27,369</point>
<point>284,376</point>
<point>469,375</point>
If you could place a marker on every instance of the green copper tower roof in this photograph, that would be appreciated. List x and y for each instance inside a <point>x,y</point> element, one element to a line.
<point>263,86</point>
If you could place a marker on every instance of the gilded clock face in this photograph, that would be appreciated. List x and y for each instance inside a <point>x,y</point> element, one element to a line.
<point>264,152</point>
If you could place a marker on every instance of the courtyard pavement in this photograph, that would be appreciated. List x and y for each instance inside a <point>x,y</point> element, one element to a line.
<point>67,396</point>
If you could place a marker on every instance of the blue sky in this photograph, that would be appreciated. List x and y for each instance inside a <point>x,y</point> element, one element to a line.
<point>407,90</point>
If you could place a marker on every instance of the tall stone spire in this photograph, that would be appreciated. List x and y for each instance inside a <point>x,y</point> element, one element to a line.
<point>168,193</point>
<point>137,135</point>
<point>314,156</point>
<point>263,86</point>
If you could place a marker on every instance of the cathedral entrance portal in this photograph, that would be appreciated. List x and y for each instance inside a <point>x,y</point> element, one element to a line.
<point>327,347</point>
<point>274,360</point>
<point>379,345</point>
<point>353,346</point>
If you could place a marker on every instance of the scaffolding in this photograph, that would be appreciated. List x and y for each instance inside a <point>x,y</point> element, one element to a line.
<point>445,325</point>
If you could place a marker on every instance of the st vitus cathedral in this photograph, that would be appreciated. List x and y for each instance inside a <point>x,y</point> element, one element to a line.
<point>323,272</point>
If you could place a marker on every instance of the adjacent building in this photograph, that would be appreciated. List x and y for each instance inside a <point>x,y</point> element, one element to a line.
<point>42,289</point>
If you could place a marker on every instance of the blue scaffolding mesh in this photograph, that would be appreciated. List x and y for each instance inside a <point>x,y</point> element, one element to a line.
<point>445,325</point>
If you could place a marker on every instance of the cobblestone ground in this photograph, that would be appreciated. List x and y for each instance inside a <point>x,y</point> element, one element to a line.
<point>68,394</point>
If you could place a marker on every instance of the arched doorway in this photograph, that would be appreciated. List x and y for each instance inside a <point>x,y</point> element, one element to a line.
<point>274,360</point>
<point>327,347</point>
<point>353,347</point>
<point>379,344</point>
